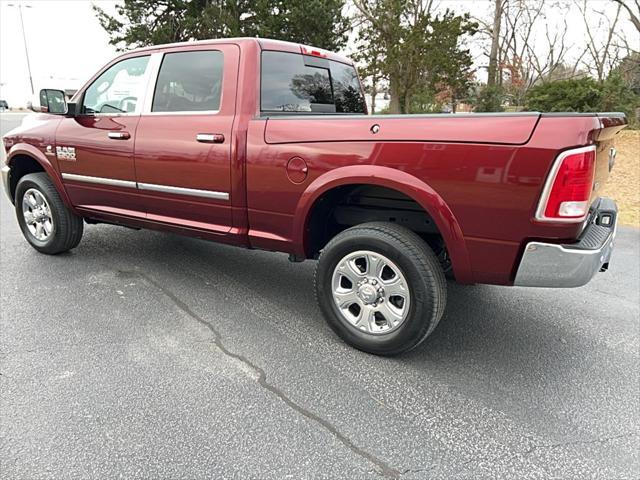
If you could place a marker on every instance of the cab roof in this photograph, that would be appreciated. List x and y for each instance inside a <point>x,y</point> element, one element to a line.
<point>264,44</point>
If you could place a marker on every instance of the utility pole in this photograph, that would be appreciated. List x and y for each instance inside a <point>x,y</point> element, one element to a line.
<point>24,38</point>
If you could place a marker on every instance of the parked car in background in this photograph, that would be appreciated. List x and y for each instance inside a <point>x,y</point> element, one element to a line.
<point>3,105</point>
<point>267,144</point>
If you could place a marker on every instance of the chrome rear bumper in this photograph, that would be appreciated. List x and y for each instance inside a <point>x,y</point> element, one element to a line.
<point>571,265</point>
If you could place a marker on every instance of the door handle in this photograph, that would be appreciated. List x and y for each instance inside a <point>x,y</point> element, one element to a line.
<point>119,135</point>
<point>210,137</point>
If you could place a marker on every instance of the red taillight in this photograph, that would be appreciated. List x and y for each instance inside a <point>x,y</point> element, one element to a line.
<point>568,189</point>
<point>312,52</point>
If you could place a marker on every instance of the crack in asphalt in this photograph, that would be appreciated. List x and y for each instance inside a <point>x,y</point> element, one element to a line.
<point>385,470</point>
<point>579,442</point>
<point>411,470</point>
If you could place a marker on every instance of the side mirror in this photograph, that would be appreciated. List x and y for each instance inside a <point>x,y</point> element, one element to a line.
<point>50,101</point>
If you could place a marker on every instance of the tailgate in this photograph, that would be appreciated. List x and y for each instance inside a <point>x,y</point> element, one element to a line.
<point>611,124</point>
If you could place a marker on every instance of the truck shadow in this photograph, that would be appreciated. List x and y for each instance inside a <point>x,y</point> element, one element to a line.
<point>498,343</point>
<point>503,330</point>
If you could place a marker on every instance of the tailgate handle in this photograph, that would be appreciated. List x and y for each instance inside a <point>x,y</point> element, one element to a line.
<point>119,135</point>
<point>210,137</point>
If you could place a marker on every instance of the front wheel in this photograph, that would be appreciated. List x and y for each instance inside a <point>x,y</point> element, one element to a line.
<point>380,287</point>
<point>46,223</point>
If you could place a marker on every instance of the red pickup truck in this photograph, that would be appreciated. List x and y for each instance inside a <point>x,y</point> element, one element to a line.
<point>267,144</point>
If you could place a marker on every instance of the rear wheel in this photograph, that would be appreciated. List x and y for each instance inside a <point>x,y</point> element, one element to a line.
<point>46,223</point>
<point>380,287</point>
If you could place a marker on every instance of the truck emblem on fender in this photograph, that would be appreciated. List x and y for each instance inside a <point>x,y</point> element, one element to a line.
<point>66,153</point>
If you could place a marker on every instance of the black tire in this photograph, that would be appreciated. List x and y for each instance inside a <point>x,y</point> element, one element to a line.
<point>417,263</point>
<point>67,228</point>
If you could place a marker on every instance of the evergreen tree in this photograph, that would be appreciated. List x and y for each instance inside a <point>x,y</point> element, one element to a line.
<point>320,23</point>
<point>419,53</point>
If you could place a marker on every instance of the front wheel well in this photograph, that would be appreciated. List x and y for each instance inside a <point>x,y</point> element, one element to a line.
<point>350,205</point>
<point>21,165</point>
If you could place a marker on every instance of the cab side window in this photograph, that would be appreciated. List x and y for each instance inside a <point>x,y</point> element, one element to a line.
<point>120,88</point>
<point>298,83</point>
<point>189,82</point>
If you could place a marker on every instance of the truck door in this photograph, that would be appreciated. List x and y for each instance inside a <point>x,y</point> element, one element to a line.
<point>183,143</point>
<point>94,149</point>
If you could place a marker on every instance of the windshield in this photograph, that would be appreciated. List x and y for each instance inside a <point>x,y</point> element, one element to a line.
<point>296,83</point>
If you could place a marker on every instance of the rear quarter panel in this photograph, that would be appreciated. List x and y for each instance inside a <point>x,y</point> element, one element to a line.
<point>491,189</point>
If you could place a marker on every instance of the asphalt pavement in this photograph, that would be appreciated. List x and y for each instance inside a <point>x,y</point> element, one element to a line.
<point>148,355</point>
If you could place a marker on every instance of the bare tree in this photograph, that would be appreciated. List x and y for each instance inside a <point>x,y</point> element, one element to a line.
<point>551,62</point>
<point>529,48</point>
<point>532,47</point>
<point>634,15</point>
<point>529,43</point>
<point>601,51</point>
<point>518,53</point>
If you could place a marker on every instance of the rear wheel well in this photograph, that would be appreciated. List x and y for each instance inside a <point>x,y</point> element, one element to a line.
<point>349,205</point>
<point>22,165</point>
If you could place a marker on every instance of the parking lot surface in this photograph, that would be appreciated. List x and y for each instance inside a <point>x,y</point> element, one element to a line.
<point>147,355</point>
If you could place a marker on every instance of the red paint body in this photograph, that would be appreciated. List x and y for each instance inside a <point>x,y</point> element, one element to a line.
<point>478,176</point>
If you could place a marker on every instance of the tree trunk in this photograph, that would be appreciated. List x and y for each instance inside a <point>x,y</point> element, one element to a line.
<point>407,103</point>
<point>495,41</point>
<point>374,92</point>
<point>394,100</point>
<point>394,103</point>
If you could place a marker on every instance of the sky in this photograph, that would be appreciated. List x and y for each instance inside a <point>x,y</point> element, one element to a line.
<point>67,45</point>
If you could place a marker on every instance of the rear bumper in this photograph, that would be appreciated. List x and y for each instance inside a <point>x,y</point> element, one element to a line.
<point>572,265</point>
<point>6,171</point>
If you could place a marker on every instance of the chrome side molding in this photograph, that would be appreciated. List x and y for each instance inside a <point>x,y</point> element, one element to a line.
<point>99,180</point>
<point>184,191</point>
<point>193,192</point>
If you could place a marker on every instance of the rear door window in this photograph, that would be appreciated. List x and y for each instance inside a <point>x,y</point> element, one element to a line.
<point>189,82</point>
<point>294,83</point>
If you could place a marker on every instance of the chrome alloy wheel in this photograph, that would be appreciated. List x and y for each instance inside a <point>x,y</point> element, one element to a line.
<point>37,214</point>
<point>371,292</point>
